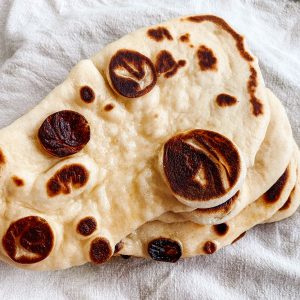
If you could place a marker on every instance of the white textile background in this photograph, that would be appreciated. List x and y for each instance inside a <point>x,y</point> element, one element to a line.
<point>40,40</point>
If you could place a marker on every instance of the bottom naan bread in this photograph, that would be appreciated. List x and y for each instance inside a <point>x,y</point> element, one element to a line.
<point>169,242</point>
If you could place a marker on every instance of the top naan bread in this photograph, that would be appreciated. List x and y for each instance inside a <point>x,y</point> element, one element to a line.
<point>81,170</point>
<point>271,160</point>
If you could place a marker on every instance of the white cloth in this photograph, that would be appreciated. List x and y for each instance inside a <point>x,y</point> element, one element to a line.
<point>40,40</point>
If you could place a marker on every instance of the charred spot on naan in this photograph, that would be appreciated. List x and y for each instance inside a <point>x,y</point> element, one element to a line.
<point>87,94</point>
<point>287,204</point>
<point>100,250</point>
<point>159,33</point>
<point>273,194</point>
<point>221,229</point>
<point>257,107</point>
<point>118,247</point>
<point>132,74</point>
<point>2,158</point>
<point>192,166</point>
<point>74,175</point>
<point>225,26</point>
<point>164,249</point>
<point>210,247</point>
<point>86,226</point>
<point>185,38</point>
<point>206,59</point>
<point>18,181</point>
<point>109,107</point>
<point>224,100</point>
<point>165,63</point>
<point>64,133</point>
<point>32,237</point>
<point>239,237</point>
<point>223,208</point>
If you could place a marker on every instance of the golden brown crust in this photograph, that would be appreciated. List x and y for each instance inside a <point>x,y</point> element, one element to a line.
<point>225,26</point>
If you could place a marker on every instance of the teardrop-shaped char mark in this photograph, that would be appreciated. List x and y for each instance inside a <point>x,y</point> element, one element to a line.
<point>131,73</point>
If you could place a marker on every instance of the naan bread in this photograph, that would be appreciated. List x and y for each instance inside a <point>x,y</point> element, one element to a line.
<point>169,242</point>
<point>271,160</point>
<point>80,171</point>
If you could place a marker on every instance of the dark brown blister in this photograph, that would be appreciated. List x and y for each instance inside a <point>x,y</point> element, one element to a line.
<point>225,26</point>
<point>165,63</point>
<point>118,247</point>
<point>206,59</point>
<point>163,249</point>
<point>221,229</point>
<point>224,100</point>
<point>273,194</point>
<point>64,133</point>
<point>223,208</point>
<point>87,226</point>
<point>185,38</point>
<point>87,94</point>
<point>2,158</point>
<point>74,175</point>
<point>100,250</point>
<point>109,107</point>
<point>182,163</point>
<point>209,247</point>
<point>287,204</point>
<point>257,107</point>
<point>18,181</point>
<point>239,237</point>
<point>34,235</point>
<point>159,33</point>
<point>134,64</point>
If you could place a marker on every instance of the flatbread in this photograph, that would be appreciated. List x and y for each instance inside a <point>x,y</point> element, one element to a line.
<point>271,160</point>
<point>79,172</point>
<point>168,242</point>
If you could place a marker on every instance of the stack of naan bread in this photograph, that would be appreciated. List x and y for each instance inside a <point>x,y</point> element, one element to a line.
<point>165,144</point>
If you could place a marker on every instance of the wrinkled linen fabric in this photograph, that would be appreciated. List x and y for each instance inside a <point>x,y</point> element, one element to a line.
<point>41,40</point>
